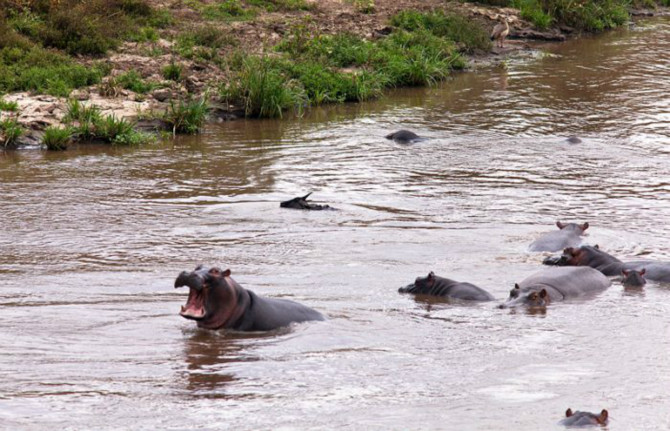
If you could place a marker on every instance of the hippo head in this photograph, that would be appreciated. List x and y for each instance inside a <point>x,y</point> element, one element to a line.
<point>299,203</point>
<point>532,298</point>
<point>420,285</point>
<point>574,226</point>
<point>212,299</point>
<point>633,278</point>
<point>579,419</point>
<point>575,256</point>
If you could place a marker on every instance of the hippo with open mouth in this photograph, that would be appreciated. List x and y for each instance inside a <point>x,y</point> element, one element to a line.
<point>216,301</point>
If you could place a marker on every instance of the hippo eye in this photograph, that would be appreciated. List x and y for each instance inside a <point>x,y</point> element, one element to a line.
<point>514,293</point>
<point>214,271</point>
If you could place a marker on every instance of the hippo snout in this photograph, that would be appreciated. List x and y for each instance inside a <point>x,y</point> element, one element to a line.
<point>190,279</point>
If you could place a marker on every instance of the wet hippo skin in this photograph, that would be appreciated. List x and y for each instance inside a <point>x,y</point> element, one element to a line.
<point>581,419</point>
<point>301,203</point>
<point>404,136</point>
<point>446,288</point>
<point>556,284</point>
<point>609,265</point>
<point>568,235</point>
<point>216,301</point>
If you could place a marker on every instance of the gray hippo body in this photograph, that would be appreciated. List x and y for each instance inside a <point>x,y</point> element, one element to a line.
<point>445,288</point>
<point>404,137</point>
<point>556,284</point>
<point>216,301</point>
<point>581,419</point>
<point>568,235</point>
<point>609,265</point>
<point>301,203</point>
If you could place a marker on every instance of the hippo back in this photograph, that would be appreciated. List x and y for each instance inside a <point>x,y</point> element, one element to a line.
<point>264,314</point>
<point>570,282</point>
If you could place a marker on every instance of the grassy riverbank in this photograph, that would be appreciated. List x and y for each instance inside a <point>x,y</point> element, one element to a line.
<point>263,57</point>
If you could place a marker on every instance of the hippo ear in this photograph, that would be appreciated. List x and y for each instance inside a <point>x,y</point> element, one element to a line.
<point>226,273</point>
<point>568,412</point>
<point>543,293</point>
<point>560,225</point>
<point>597,247</point>
<point>603,417</point>
<point>516,286</point>
<point>585,226</point>
<point>624,273</point>
<point>643,271</point>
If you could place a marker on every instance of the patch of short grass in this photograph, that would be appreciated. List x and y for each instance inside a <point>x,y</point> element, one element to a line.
<point>228,10</point>
<point>132,80</point>
<point>466,34</point>
<point>43,71</point>
<point>8,106</point>
<point>172,72</point>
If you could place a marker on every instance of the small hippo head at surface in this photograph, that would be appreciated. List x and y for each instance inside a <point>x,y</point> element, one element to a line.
<point>534,298</point>
<point>301,203</point>
<point>633,279</point>
<point>580,228</point>
<point>577,256</point>
<point>583,419</point>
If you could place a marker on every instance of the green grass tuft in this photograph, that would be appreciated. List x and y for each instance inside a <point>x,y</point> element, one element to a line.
<point>57,138</point>
<point>187,116</point>
<point>172,71</point>
<point>8,106</point>
<point>10,132</point>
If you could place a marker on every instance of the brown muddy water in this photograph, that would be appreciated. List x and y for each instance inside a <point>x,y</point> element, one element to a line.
<point>93,238</point>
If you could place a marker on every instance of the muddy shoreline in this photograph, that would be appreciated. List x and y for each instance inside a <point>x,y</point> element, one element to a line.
<point>38,111</point>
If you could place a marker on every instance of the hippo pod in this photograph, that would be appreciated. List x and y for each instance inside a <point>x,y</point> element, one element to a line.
<point>609,265</point>
<point>580,419</point>
<point>446,288</point>
<point>568,235</point>
<point>556,284</point>
<point>404,137</point>
<point>216,301</point>
<point>300,203</point>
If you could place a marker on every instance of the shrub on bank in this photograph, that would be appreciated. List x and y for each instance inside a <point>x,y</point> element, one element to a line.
<point>10,132</point>
<point>187,116</point>
<point>57,138</point>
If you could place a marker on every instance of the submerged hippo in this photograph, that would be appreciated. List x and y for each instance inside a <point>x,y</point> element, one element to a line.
<point>633,279</point>
<point>556,284</point>
<point>580,419</point>
<point>300,203</point>
<point>404,136</point>
<point>609,265</point>
<point>574,140</point>
<point>568,235</point>
<point>216,301</point>
<point>446,288</point>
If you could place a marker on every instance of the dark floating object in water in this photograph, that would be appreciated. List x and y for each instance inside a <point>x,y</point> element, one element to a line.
<point>404,136</point>
<point>300,203</point>
<point>574,140</point>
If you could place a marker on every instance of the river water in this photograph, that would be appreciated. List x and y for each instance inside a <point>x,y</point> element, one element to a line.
<point>93,238</point>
